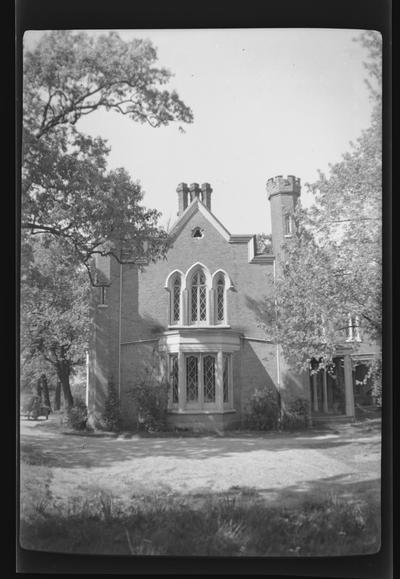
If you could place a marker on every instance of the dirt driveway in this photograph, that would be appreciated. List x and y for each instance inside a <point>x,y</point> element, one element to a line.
<point>345,462</point>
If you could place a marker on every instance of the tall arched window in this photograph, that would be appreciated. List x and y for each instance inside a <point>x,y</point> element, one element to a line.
<point>176,300</point>
<point>220,303</point>
<point>198,298</point>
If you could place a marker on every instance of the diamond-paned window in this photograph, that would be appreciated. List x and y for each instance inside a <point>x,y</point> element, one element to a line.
<point>209,378</point>
<point>220,299</point>
<point>203,303</point>
<point>225,378</point>
<point>199,298</point>
<point>194,304</point>
<point>192,379</point>
<point>174,378</point>
<point>176,300</point>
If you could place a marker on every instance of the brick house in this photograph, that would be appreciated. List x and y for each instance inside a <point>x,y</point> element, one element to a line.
<point>194,319</point>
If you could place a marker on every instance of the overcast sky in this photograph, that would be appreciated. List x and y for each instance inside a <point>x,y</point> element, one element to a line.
<point>266,102</point>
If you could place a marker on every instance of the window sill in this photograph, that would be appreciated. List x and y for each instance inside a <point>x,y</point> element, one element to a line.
<point>197,326</point>
<point>194,411</point>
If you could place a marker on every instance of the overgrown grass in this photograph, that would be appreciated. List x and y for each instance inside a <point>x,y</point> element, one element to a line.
<point>240,524</point>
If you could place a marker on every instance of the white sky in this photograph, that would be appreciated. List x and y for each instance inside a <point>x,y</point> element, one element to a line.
<point>266,102</point>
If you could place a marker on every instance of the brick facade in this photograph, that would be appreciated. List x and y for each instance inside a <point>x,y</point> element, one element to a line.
<point>135,318</point>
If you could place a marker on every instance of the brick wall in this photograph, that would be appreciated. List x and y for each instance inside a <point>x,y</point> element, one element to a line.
<point>145,314</point>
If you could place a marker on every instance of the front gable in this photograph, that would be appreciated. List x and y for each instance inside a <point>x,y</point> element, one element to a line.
<point>193,213</point>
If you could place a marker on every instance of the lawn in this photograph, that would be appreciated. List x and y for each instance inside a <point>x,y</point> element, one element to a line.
<point>300,494</point>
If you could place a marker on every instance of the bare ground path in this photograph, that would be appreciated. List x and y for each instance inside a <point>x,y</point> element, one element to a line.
<point>281,467</point>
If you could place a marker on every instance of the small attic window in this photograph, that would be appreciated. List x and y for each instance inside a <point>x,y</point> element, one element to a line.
<point>197,232</point>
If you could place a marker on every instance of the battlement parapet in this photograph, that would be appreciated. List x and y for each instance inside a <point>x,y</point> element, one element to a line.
<point>280,184</point>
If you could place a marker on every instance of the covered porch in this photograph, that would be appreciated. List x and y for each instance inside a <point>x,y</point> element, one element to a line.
<point>337,392</point>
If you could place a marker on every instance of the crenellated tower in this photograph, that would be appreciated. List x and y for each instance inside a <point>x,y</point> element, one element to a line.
<point>283,193</point>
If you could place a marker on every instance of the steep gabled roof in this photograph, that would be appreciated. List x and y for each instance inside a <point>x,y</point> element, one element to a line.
<point>245,239</point>
<point>197,206</point>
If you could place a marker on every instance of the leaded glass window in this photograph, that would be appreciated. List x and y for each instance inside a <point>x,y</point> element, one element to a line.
<point>176,300</point>
<point>225,378</point>
<point>209,378</point>
<point>192,379</point>
<point>199,297</point>
<point>220,299</point>
<point>174,377</point>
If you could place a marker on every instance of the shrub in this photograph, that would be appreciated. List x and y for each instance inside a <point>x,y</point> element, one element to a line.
<point>151,399</point>
<point>263,412</point>
<point>77,415</point>
<point>111,417</point>
<point>295,414</point>
<point>375,374</point>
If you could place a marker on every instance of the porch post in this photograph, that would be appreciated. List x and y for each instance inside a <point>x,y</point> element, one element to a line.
<point>348,385</point>
<point>219,384</point>
<point>324,392</point>
<point>181,381</point>
<point>315,392</point>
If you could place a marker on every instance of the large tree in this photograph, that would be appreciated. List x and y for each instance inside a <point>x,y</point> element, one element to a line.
<point>332,266</point>
<point>72,206</point>
<point>54,312</point>
<point>67,191</point>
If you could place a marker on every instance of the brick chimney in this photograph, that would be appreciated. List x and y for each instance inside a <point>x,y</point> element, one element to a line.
<point>187,194</point>
<point>206,191</point>
<point>183,191</point>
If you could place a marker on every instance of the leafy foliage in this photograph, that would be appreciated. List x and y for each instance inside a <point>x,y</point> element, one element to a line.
<point>332,266</point>
<point>263,243</point>
<point>54,310</point>
<point>267,411</point>
<point>295,414</point>
<point>77,416</point>
<point>263,411</point>
<point>71,74</point>
<point>151,400</point>
<point>111,418</point>
<point>67,191</point>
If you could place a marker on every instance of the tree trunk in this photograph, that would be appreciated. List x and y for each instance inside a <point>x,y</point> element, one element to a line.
<point>57,396</point>
<point>45,391</point>
<point>63,373</point>
<point>38,388</point>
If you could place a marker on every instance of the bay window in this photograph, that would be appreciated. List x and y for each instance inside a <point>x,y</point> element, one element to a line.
<point>200,381</point>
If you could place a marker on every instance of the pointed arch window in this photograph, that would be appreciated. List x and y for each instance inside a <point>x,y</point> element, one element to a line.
<point>220,299</point>
<point>176,300</point>
<point>198,298</point>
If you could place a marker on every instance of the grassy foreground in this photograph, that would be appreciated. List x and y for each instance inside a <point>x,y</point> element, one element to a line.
<point>225,524</point>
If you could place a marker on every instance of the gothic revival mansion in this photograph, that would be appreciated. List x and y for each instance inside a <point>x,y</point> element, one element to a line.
<point>194,320</point>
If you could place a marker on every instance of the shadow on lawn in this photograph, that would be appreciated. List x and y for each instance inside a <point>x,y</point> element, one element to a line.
<point>337,487</point>
<point>89,451</point>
